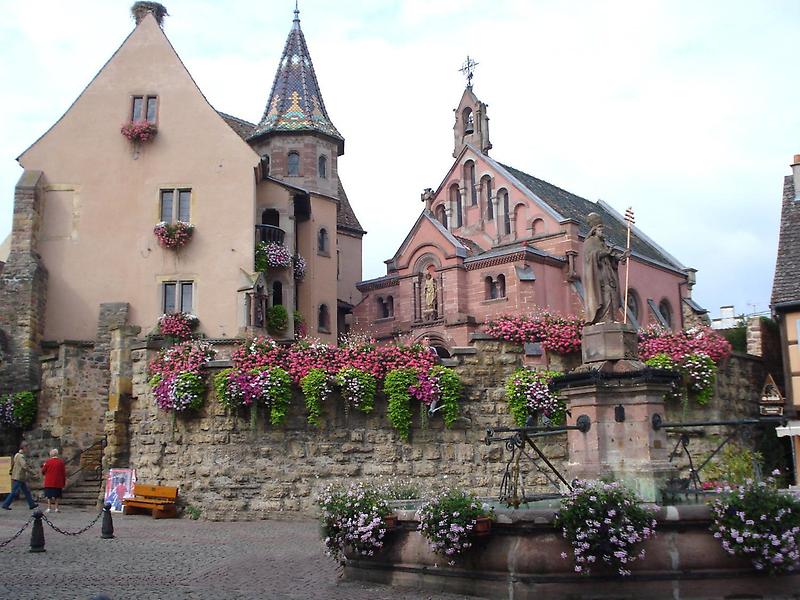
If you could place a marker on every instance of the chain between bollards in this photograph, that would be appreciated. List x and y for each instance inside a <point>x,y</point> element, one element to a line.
<point>107,528</point>
<point>37,533</point>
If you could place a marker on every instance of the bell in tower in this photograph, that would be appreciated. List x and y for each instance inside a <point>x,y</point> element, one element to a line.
<point>472,123</point>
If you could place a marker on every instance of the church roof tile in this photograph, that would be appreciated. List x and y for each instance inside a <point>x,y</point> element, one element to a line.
<point>295,102</point>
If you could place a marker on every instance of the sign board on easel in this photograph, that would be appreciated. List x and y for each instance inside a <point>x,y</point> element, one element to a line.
<point>5,474</point>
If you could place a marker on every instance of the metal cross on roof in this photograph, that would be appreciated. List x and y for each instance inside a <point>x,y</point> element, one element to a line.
<point>468,69</point>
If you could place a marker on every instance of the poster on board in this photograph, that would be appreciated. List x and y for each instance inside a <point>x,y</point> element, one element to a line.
<point>5,474</point>
<point>119,485</point>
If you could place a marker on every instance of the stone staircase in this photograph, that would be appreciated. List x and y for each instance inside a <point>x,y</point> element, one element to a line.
<point>83,489</point>
<point>83,493</point>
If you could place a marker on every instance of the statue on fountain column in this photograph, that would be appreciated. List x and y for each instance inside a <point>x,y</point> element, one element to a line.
<point>600,276</point>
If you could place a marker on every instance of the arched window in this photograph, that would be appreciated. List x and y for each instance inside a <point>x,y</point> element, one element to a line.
<point>323,319</point>
<point>270,216</point>
<point>666,312</point>
<point>389,306</point>
<point>501,286</point>
<point>383,309</point>
<point>469,120</point>
<point>277,293</point>
<point>322,240</point>
<point>322,167</point>
<point>469,177</point>
<point>490,291</point>
<point>634,306</point>
<point>441,215</point>
<point>487,197</point>
<point>537,227</point>
<point>293,164</point>
<point>455,200</point>
<point>503,195</point>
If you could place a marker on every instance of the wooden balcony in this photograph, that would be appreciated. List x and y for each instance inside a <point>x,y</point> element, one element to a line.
<point>269,233</point>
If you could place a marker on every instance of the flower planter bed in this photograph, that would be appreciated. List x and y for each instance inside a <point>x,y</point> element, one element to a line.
<point>523,556</point>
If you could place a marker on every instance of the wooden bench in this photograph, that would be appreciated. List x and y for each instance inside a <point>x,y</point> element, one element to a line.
<point>158,499</point>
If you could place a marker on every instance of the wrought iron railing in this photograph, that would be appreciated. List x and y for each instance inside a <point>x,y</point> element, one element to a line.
<point>520,441</point>
<point>693,484</point>
<point>83,464</point>
<point>269,233</point>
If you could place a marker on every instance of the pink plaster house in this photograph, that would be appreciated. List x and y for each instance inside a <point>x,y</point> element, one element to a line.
<point>97,194</point>
<point>499,241</point>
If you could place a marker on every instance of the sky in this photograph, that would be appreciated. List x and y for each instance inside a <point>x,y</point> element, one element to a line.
<point>689,112</point>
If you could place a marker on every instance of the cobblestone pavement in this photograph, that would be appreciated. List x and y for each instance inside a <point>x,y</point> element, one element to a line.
<point>176,559</point>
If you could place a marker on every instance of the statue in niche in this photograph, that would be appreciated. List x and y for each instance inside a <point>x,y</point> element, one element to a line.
<point>600,276</point>
<point>431,298</point>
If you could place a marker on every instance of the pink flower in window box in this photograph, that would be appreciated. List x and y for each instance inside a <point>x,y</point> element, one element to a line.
<point>177,325</point>
<point>139,131</point>
<point>173,235</point>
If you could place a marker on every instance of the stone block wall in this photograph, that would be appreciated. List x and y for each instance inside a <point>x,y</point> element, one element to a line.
<point>233,472</point>
<point>74,392</point>
<point>23,286</point>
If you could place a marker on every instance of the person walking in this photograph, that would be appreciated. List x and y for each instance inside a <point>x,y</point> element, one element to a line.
<point>20,474</point>
<point>55,478</point>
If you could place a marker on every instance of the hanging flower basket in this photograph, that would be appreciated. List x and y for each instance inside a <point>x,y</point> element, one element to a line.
<point>139,131</point>
<point>173,235</point>
<point>299,266</point>
<point>272,255</point>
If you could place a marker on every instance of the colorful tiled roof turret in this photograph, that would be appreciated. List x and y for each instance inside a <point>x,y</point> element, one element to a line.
<point>295,102</point>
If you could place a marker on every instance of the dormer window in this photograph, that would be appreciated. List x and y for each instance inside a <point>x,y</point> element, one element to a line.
<point>145,108</point>
<point>322,167</point>
<point>293,164</point>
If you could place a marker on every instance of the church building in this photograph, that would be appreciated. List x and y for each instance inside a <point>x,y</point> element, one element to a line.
<point>145,198</point>
<point>492,240</point>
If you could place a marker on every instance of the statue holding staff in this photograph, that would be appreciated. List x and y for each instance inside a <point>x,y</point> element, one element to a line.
<point>600,276</point>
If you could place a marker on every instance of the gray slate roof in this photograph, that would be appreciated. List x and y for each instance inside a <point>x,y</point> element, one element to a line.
<point>243,129</point>
<point>786,287</point>
<point>570,206</point>
<point>345,217</point>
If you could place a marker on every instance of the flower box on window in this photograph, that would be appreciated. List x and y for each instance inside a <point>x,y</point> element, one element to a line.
<point>173,235</point>
<point>177,325</point>
<point>139,131</point>
<point>272,255</point>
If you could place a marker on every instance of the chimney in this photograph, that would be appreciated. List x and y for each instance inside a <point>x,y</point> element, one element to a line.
<point>796,176</point>
<point>141,9</point>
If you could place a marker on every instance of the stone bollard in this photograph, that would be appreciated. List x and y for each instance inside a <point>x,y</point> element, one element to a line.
<point>107,528</point>
<point>37,533</point>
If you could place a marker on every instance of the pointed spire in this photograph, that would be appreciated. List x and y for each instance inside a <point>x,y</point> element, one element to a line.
<point>295,102</point>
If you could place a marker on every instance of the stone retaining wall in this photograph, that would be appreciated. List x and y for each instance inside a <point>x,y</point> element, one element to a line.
<point>233,471</point>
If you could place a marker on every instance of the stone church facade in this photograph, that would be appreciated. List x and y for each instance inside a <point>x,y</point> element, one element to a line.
<point>494,240</point>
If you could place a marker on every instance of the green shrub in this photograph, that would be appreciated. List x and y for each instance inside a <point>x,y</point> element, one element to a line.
<point>277,318</point>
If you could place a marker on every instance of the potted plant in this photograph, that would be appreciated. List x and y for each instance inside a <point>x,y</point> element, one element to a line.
<point>604,523</point>
<point>353,520</point>
<point>139,131</point>
<point>450,520</point>
<point>759,522</point>
<point>528,393</point>
<point>177,326</point>
<point>173,235</point>
<point>272,255</point>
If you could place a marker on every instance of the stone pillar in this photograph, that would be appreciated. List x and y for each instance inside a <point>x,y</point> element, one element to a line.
<point>621,443</point>
<point>120,391</point>
<point>755,342</point>
<point>620,396</point>
<point>23,290</point>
